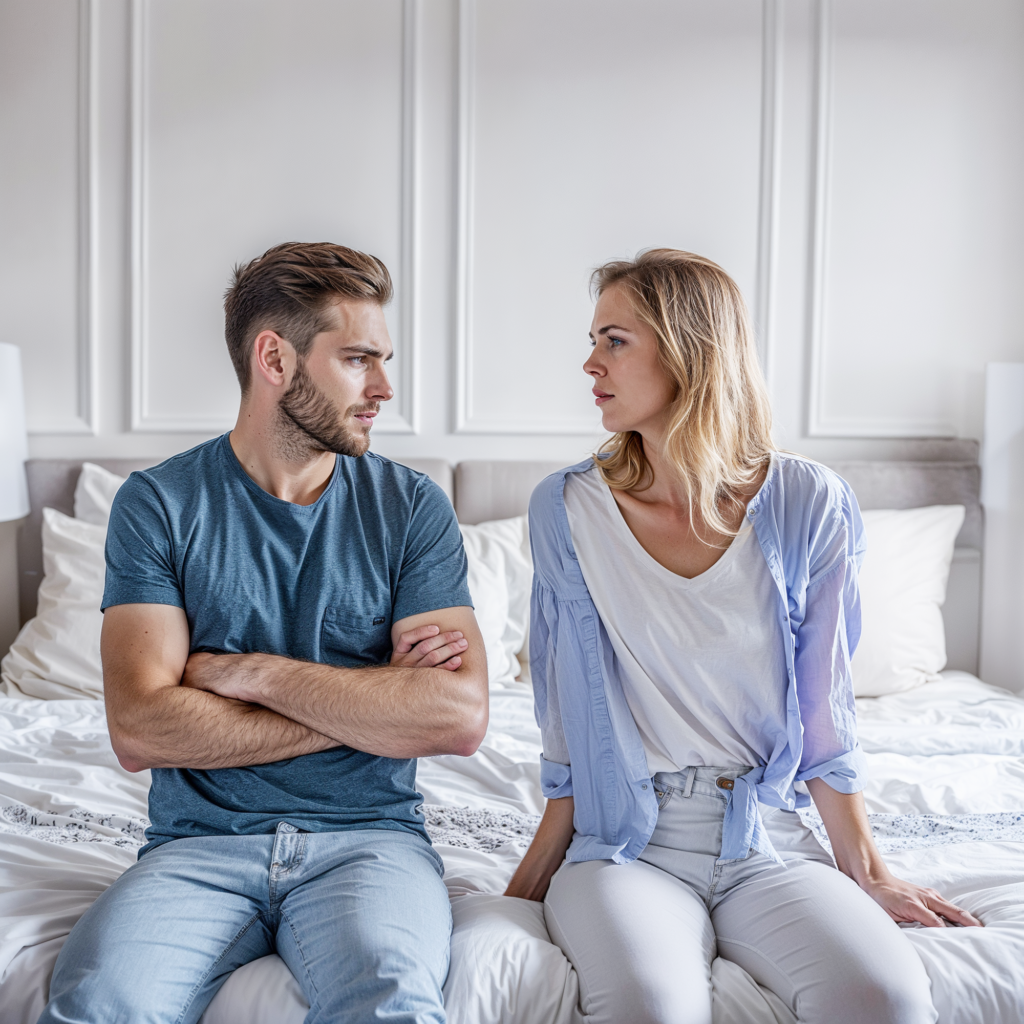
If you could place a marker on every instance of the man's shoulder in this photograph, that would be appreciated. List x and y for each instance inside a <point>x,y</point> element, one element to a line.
<point>380,480</point>
<point>172,482</point>
<point>184,470</point>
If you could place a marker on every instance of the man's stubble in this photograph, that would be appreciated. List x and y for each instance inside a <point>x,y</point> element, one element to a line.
<point>310,423</point>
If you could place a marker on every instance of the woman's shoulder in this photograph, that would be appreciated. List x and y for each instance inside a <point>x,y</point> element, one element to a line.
<point>549,495</point>
<point>814,508</point>
<point>799,479</point>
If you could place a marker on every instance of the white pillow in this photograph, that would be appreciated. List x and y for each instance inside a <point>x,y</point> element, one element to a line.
<point>500,576</point>
<point>94,493</point>
<point>902,589</point>
<point>56,656</point>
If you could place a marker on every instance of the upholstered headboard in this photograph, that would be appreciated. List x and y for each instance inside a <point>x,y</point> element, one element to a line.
<point>484,489</point>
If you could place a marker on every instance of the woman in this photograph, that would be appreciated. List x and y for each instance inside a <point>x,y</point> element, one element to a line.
<point>695,609</point>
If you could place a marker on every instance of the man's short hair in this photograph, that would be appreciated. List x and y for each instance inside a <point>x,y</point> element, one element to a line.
<point>289,290</point>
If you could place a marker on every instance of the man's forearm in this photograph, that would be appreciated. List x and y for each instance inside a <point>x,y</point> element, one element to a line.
<point>181,727</point>
<point>386,710</point>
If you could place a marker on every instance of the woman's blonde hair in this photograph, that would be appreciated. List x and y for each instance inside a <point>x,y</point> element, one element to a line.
<point>719,435</point>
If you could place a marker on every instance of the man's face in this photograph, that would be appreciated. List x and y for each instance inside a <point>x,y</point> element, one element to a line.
<point>338,386</point>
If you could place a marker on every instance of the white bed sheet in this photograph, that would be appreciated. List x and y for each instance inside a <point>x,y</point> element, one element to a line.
<point>953,747</point>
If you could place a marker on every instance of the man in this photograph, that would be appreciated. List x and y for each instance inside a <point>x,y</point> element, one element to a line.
<point>257,588</point>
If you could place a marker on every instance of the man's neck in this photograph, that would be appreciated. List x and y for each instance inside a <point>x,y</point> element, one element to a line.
<point>279,468</point>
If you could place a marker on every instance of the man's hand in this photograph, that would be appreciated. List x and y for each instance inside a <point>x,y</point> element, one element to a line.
<point>427,647</point>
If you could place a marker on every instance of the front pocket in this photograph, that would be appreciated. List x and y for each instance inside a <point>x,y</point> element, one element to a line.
<point>355,640</point>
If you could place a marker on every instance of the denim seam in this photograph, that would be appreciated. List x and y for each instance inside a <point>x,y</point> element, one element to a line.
<point>202,981</point>
<point>716,877</point>
<point>315,1001</point>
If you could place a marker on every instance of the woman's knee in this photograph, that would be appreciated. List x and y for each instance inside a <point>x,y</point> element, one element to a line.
<point>896,996</point>
<point>641,943</point>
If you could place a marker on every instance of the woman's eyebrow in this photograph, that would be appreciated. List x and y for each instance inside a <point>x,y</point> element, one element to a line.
<point>613,327</point>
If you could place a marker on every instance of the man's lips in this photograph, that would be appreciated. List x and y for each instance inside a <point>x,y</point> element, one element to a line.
<point>366,417</point>
<point>600,397</point>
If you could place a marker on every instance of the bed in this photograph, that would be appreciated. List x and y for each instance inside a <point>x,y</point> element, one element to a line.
<point>946,793</point>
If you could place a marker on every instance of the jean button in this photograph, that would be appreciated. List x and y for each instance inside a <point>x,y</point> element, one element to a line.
<point>723,783</point>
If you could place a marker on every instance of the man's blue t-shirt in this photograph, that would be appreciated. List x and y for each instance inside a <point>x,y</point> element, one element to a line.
<point>320,582</point>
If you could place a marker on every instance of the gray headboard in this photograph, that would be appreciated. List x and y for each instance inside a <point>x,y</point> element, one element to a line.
<point>483,489</point>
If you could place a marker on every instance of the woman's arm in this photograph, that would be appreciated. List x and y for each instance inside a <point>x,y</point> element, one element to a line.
<point>546,852</point>
<point>846,822</point>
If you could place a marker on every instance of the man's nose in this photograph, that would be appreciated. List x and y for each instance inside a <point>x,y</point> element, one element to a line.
<point>379,388</point>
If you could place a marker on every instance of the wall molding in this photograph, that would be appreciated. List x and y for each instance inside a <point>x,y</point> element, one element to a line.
<point>769,180</point>
<point>85,418</point>
<point>467,419</point>
<point>819,422</point>
<point>404,414</point>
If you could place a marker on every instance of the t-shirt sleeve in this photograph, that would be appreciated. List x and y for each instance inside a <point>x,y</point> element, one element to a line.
<point>140,563</point>
<point>434,568</point>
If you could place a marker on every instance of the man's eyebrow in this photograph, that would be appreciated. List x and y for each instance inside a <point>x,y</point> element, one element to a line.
<point>367,350</point>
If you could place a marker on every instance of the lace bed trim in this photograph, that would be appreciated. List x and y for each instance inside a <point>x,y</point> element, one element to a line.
<point>487,831</point>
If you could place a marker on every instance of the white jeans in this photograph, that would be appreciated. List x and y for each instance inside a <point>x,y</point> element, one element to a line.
<point>642,936</point>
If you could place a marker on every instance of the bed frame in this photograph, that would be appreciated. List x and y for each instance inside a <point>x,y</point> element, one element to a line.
<point>484,490</point>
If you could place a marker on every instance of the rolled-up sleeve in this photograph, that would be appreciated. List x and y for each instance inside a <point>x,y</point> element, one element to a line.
<point>826,640</point>
<point>555,773</point>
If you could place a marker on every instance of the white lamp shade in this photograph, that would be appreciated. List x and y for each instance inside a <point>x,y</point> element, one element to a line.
<point>13,436</point>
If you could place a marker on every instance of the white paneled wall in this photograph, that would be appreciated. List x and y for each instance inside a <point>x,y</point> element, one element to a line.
<point>855,164</point>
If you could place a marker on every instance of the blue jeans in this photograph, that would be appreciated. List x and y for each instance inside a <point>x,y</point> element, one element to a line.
<point>361,918</point>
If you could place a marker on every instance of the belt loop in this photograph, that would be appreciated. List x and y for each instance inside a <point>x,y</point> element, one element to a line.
<point>690,774</point>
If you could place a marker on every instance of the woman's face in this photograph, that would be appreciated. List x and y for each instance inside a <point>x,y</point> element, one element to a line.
<point>630,385</point>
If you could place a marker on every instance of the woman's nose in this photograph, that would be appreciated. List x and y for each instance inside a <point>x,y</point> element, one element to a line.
<point>594,368</point>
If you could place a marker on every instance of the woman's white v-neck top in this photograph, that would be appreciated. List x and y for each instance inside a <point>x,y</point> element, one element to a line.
<point>701,660</point>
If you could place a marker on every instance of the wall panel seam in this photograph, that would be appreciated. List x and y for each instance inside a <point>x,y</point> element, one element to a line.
<point>466,418</point>
<point>141,419</point>
<point>84,420</point>
<point>768,209</point>
<point>819,423</point>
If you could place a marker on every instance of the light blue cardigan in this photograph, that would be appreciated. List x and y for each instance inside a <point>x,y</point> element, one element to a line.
<point>809,528</point>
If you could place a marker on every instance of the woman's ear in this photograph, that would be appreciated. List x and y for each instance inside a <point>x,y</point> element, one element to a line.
<point>273,358</point>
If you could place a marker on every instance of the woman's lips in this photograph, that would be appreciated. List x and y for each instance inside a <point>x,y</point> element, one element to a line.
<point>600,397</point>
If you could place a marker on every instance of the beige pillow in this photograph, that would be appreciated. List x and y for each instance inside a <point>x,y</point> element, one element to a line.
<point>56,656</point>
<point>902,590</point>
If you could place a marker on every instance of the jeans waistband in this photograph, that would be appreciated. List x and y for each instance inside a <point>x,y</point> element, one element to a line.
<point>742,827</point>
<point>700,773</point>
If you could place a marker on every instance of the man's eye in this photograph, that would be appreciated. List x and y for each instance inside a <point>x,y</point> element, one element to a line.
<point>360,360</point>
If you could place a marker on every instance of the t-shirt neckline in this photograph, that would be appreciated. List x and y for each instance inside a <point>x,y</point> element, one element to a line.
<point>236,466</point>
<point>708,575</point>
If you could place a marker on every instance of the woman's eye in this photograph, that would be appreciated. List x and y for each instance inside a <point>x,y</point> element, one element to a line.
<point>615,342</point>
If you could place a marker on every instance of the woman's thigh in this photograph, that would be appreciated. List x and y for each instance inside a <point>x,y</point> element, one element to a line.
<point>641,942</point>
<point>819,942</point>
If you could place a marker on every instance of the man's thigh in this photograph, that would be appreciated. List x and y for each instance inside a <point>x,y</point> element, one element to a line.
<point>366,928</point>
<point>157,945</point>
<point>819,942</point>
<point>640,940</point>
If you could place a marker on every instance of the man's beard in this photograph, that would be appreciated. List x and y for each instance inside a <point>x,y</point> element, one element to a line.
<point>310,421</point>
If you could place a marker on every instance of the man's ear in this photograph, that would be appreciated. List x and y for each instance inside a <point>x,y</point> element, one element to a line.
<point>273,358</point>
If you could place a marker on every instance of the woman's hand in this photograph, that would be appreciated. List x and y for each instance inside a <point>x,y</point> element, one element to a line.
<point>846,821</point>
<point>904,901</point>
